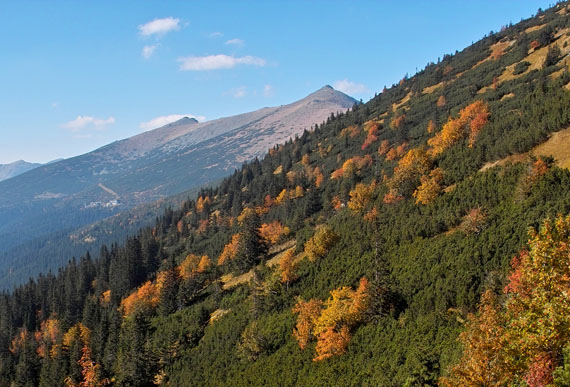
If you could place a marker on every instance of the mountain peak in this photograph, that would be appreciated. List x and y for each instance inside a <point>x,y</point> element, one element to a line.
<point>186,120</point>
<point>328,93</point>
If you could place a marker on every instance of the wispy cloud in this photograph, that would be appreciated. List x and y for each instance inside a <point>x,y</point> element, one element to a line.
<point>267,91</point>
<point>88,122</point>
<point>157,122</point>
<point>350,87</point>
<point>215,62</point>
<point>148,51</point>
<point>238,92</point>
<point>159,26</point>
<point>216,34</point>
<point>235,42</point>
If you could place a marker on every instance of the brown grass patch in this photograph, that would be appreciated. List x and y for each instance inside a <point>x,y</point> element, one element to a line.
<point>497,50</point>
<point>535,58</point>
<point>512,159</point>
<point>217,314</point>
<point>450,188</point>
<point>534,28</point>
<point>431,89</point>
<point>451,230</point>
<point>507,96</point>
<point>229,281</point>
<point>557,146</point>
<point>395,106</point>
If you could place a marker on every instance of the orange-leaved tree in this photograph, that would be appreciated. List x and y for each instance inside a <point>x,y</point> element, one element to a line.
<point>411,167</point>
<point>287,267</point>
<point>230,250</point>
<point>273,232</point>
<point>523,339</point>
<point>308,312</point>
<point>331,324</point>
<point>430,187</point>
<point>483,362</point>
<point>471,120</point>
<point>144,299</point>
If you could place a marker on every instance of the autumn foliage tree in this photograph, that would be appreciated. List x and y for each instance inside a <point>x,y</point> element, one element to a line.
<point>80,335</point>
<point>193,265</point>
<point>372,135</point>
<point>431,127</point>
<point>144,299</point>
<point>331,322</point>
<point>524,339</point>
<point>431,186</point>
<point>483,362</point>
<point>361,196</point>
<point>471,120</point>
<point>332,343</point>
<point>320,244</point>
<point>398,121</point>
<point>384,147</point>
<point>474,221</point>
<point>411,167</point>
<point>287,267</point>
<point>230,250</point>
<point>307,314</point>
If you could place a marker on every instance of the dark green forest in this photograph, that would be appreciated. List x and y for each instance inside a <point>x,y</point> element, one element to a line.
<point>351,255</point>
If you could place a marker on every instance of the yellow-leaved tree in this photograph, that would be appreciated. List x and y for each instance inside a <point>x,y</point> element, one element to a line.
<point>320,244</point>
<point>330,323</point>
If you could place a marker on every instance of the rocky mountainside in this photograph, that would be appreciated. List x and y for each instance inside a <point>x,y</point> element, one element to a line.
<point>54,200</point>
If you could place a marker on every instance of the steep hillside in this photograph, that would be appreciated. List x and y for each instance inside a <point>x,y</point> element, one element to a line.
<point>354,255</point>
<point>55,200</point>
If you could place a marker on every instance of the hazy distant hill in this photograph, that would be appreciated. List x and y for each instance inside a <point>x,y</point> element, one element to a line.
<point>16,168</point>
<point>53,200</point>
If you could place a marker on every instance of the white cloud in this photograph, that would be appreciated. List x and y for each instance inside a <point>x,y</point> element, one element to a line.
<point>215,62</point>
<point>157,122</point>
<point>147,51</point>
<point>267,91</point>
<point>159,26</point>
<point>87,122</point>
<point>216,35</point>
<point>235,42</point>
<point>349,87</point>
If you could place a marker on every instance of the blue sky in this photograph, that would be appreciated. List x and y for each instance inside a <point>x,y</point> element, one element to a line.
<point>76,75</point>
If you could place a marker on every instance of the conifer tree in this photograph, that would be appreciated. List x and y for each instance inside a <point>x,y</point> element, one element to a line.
<point>251,247</point>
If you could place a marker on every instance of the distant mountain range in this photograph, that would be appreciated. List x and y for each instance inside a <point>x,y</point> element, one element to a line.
<point>16,168</point>
<point>61,197</point>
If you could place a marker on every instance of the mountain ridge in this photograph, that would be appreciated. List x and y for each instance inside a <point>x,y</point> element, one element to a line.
<point>16,168</point>
<point>175,158</point>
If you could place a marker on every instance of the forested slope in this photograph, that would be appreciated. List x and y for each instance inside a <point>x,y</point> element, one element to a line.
<point>354,255</point>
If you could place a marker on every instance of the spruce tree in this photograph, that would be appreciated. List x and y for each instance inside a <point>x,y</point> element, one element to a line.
<point>252,247</point>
